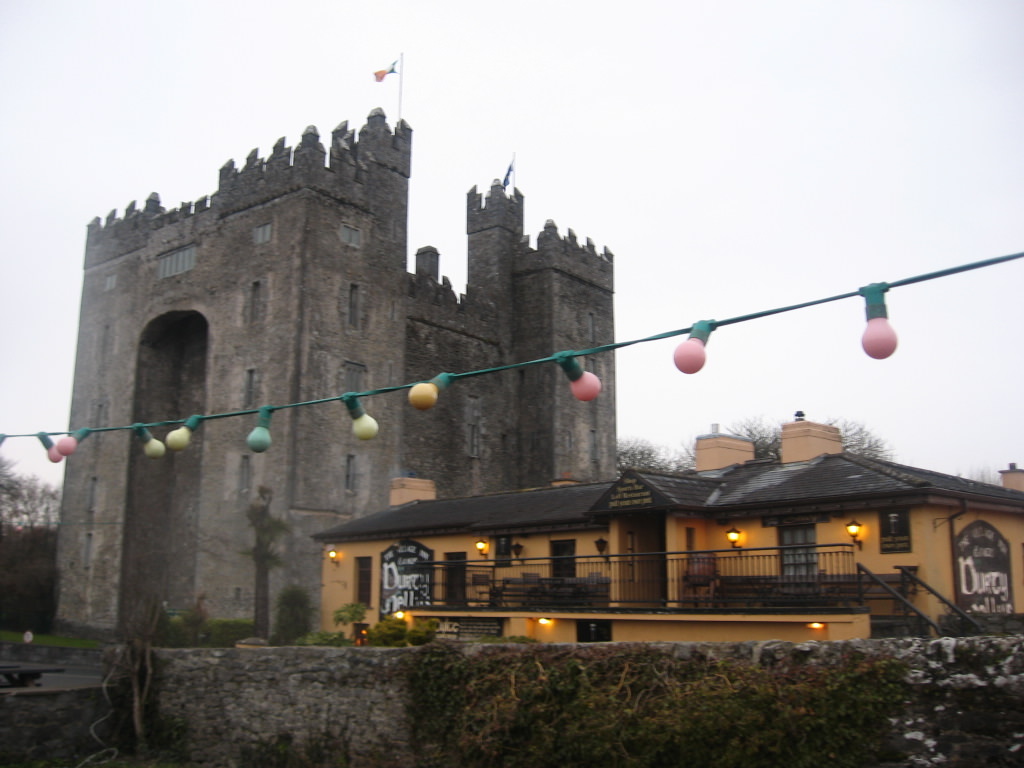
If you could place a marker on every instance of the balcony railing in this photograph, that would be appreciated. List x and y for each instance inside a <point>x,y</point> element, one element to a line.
<point>722,579</point>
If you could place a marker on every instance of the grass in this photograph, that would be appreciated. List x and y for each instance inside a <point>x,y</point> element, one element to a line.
<point>7,636</point>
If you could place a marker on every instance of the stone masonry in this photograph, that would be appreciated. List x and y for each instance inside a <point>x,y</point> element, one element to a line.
<point>288,285</point>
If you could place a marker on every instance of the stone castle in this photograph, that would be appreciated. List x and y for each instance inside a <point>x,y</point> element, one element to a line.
<point>289,285</point>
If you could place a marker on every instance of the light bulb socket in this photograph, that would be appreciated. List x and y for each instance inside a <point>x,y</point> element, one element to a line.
<point>193,422</point>
<point>44,438</point>
<point>701,330</point>
<point>142,433</point>
<point>569,364</point>
<point>874,296</point>
<point>442,380</point>
<point>81,434</point>
<point>263,418</point>
<point>355,408</point>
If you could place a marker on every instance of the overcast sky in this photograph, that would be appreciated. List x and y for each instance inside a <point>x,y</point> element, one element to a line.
<point>735,156</point>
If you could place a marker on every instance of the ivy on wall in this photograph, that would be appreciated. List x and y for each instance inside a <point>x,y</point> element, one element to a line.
<point>538,706</point>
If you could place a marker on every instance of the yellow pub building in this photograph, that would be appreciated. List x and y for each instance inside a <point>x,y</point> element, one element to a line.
<point>819,545</point>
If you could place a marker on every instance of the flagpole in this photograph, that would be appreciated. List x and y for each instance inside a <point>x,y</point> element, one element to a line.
<point>401,80</point>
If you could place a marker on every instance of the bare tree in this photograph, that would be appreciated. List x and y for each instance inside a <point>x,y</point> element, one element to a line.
<point>267,529</point>
<point>637,453</point>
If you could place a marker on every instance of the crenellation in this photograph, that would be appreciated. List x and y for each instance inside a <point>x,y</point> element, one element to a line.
<point>566,254</point>
<point>497,210</point>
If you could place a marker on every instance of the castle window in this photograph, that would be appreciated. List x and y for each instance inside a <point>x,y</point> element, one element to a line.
<point>350,472</point>
<point>592,327</point>
<point>254,305</point>
<point>355,377</point>
<point>261,234</point>
<point>244,475</point>
<point>593,445</point>
<point>176,262</point>
<point>252,384</point>
<point>87,553</point>
<point>473,427</point>
<point>350,235</point>
<point>354,307</point>
<point>110,282</point>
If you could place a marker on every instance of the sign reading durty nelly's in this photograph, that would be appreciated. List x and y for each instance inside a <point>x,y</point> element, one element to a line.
<point>983,570</point>
<point>404,582</point>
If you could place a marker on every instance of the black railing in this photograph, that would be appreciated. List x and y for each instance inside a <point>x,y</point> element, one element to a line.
<point>769,577</point>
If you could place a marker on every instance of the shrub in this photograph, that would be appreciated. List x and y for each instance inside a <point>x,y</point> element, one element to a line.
<point>294,615</point>
<point>334,639</point>
<point>224,633</point>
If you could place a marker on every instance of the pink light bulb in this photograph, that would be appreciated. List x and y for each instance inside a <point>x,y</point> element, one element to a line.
<point>879,339</point>
<point>586,387</point>
<point>67,445</point>
<point>54,455</point>
<point>690,356</point>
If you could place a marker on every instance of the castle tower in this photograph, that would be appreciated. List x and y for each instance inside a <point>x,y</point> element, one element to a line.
<point>289,285</point>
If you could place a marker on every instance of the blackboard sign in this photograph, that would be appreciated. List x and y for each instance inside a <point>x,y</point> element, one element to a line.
<point>467,628</point>
<point>405,581</point>
<point>894,531</point>
<point>983,570</point>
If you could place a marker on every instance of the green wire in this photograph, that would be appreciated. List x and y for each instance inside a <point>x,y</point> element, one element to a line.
<point>555,358</point>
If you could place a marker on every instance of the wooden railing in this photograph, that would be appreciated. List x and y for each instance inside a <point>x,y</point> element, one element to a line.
<point>765,578</point>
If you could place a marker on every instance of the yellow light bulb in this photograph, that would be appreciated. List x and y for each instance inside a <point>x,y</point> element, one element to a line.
<point>154,449</point>
<point>423,396</point>
<point>365,427</point>
<point>178,439</point>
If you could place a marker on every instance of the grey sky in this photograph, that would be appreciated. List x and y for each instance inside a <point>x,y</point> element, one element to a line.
<point>735,156</point>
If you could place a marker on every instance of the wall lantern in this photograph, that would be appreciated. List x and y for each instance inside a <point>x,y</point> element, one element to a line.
<point>816,625</point>
<point>854,528</point>
<point>517,549</point>
<point>544,621</point>
<point>334,556</point>
<point>733,535</point>
<point>602,546</point>
<point>399,614</point>
<point>482,546</point>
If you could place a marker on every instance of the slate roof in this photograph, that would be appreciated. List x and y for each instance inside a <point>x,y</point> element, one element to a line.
<point>564,506</point>
<point>759,483</point>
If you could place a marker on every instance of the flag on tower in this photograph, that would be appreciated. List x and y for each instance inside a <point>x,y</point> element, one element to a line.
<point>508,174</point>
<point>380,74</point>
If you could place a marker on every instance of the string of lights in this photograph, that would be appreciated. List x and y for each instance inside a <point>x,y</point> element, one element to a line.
<point>879,341</point>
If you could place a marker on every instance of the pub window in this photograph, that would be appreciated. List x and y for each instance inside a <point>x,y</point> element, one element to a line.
<point>354,306</point>
<point>502,550</point>
<point>261,234</point>
<point>364,580</point>
<point>563,563</point>
<point>176,262</point>
<point>350,235</point>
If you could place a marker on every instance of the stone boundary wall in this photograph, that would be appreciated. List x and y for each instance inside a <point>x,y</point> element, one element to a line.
<point>51,654</point>
<point>966,709</point>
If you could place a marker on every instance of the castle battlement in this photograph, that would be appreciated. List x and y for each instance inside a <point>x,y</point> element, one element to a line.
<point>342,173</point>
<point>497,210</point>
<point>566,254</point>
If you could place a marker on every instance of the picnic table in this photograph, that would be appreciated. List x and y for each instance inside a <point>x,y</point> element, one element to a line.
<point>24,675</point>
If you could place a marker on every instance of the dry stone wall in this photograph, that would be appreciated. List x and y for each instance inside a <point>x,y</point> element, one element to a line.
<point>966,709</point>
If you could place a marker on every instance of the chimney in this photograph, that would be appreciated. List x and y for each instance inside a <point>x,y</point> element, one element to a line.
<point>717,451</point>
<point>1013,478</point>
<point>805,440</point>
<point>406,489</point>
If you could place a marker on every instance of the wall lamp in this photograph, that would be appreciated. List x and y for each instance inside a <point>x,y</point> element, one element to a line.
<point>482,546</point>
<point>334,556</point>
<point>733,535</point>
<point>517,550</point>
<point>602,546</point>
<point>854,528</point>
<point>543,621</point>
